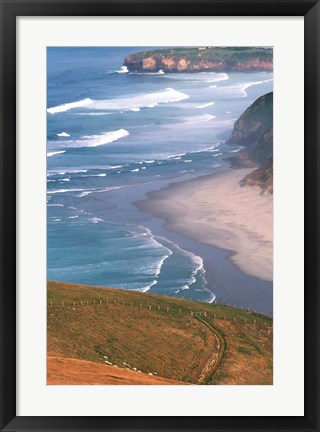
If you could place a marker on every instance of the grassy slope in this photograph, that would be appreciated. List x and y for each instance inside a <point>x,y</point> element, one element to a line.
<point>69,371</point>
<point>171,343</point>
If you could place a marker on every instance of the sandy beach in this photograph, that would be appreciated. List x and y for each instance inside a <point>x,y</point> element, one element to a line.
<point>217,211</point>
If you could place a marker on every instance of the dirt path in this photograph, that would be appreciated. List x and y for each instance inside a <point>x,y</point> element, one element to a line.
<point>214,359</point>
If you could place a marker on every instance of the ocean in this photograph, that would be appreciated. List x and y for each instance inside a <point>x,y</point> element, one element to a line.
<point>112,136</point>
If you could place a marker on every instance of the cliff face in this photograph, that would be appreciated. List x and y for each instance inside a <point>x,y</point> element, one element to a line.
<point>217,59</point>
<point>254,131</point>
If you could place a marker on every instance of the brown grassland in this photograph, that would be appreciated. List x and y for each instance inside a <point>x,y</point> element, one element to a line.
<point>111,336</point>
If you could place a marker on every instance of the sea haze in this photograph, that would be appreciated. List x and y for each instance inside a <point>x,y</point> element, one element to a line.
<point>112,136</point>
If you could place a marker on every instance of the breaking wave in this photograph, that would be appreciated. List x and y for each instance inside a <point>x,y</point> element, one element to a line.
<point>149,100</point>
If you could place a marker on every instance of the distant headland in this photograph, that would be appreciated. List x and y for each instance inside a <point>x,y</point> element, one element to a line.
<point>202,59</point>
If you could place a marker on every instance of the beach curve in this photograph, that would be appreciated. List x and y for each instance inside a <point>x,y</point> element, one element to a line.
<point>214,209</point>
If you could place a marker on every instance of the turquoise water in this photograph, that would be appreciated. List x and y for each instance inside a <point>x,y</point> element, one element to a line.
<point>111,137</point>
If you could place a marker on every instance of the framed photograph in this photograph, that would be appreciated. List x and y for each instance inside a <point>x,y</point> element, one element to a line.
<point>159,215</point>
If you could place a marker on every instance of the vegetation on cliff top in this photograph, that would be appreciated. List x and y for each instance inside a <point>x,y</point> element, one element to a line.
<point>156,335</point>
<point>190,59</point>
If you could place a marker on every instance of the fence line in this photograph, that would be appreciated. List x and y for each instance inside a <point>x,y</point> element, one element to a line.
<point>191,313</point>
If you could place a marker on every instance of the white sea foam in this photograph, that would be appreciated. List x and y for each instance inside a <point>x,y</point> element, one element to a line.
<point>123,70</point>
<point>95,220</point>
<point>135,170</point>
<point>135,109</point>
<point>114,167</point>
<point>205,105</point>
<point>69,171</point>
<point>96,175</point>
<point>212,297</point>
<point>149,161</point>
<point>55,205</point>
<point>146,288</point>
<point>98,113</point>
<point>90,191</point>
<point>219,77</point>
<point>236,150</point>
<point>217,154</point>
<point>179,155</point>
<point>237,90</point>
<point>188,160</point>
<point>49,154</point>
<point>65,179</point>
<point>199,77</point>
<point>95,140</point>
<point>63,134</point>
<point>68,106</point>
<point>167,95</point>
<point>195,259</point>
<point>199,118</point>
<point>56,191</point>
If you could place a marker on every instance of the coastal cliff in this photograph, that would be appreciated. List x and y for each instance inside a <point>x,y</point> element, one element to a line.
<point>254,131</point>
<point>201,59</point>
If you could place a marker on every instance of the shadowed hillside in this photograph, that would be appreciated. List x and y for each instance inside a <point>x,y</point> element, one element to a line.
<point>153,336</point>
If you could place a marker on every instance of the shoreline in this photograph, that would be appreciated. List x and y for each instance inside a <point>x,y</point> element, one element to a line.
<point>216,211</point>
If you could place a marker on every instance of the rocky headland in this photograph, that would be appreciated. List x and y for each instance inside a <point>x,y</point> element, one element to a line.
<point>201,59</point>
<point>254,131</point>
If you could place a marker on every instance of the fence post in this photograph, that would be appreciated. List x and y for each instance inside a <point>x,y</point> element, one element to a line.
<point>140,305</point>
<point>81,303</point>
<point>158,308</point>
<point>100,301</point>
<point>62,303</point>
<point>167,309</point>
<point>179,311</point>
<point>191,313</point>
<point>150,307</point>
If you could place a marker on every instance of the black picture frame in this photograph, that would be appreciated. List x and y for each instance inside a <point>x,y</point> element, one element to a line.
<point>10,9</point>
